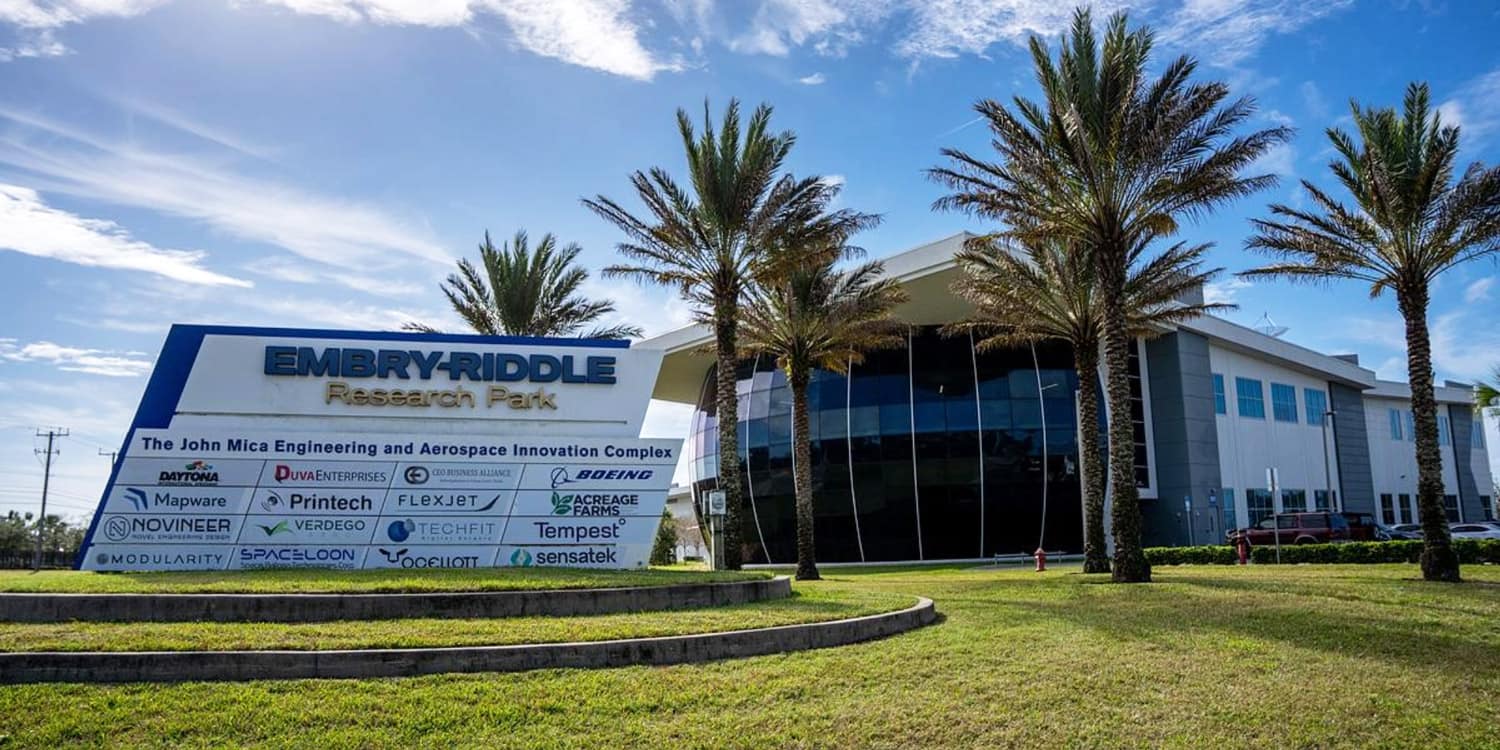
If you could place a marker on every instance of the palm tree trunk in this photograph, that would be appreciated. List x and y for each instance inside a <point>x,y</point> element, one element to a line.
<point>727,405</point>
<point>1439,561</point>
<point>1086,364</point>
<point>807,564</point>
<point>1130,564</point>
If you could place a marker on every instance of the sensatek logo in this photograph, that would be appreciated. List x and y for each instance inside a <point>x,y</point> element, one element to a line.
<point>520,558</point>
<point>194,473</point>
<point>137,498</point>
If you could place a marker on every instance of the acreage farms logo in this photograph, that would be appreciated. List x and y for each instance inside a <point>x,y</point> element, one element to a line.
<point>195,473</point>
<point>594,503</point>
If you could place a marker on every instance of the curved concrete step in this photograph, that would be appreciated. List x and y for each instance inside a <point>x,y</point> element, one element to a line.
<point>178,666</point>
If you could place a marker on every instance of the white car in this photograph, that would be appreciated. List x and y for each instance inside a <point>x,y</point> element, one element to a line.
<point>1475,531</point>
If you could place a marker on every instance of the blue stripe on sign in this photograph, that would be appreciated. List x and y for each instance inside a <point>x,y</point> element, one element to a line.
<point>436,338</point>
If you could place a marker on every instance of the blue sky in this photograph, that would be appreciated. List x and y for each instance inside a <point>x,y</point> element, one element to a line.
<point>322,162</point>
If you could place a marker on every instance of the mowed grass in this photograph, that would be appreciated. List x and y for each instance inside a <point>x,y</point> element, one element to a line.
<point>809,604</point>
<point>308,581</point>
<point>1269,656</point>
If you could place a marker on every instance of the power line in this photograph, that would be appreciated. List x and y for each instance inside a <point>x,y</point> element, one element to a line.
<point>52,436</point>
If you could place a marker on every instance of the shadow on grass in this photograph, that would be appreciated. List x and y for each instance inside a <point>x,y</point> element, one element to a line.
<point>1408,634</point>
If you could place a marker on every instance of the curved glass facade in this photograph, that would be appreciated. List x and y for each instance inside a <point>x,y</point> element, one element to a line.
<point>931,452</point>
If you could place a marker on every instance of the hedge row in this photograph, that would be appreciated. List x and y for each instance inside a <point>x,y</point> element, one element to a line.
<point>1470,552</point>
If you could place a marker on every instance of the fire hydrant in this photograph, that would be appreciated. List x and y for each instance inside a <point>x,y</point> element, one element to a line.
<point>1242,546</point>
<point>1041,560</point>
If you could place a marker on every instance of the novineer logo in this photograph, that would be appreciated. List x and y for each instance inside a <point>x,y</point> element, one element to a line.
<point>117,529</point>
<point>520,558</point>
<point>562,505</point>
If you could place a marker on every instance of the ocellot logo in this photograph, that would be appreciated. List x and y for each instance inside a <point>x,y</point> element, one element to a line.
<point>403,558</point>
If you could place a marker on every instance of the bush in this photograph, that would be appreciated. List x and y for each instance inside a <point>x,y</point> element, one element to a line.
<point>1470,552</point>
<point>664,548</point>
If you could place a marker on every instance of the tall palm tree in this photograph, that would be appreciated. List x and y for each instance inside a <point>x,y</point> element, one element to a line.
<point>1411,221</point>
<point>526,292</point>
<point>812,317</point>
<point>1487,395</point>
<point>711,239</point>
<point>1109,159</point>
<point>1023,293</point>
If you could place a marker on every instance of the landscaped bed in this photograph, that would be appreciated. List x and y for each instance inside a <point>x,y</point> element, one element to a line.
<point>1209,656</point>
<point>308,581</point>
<point>811,604</point>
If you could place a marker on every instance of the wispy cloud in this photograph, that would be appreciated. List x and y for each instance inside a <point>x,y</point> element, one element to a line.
<point>37,22</point>
<point>1479,290</point>
<point>1225,292</point>
<point>289,269</point>
<point>63,159</point>
<point>816,79</point>
<point>1226,33</point>
<point>29,226</point>
<point>75,359</point>
<point>1475,107</point>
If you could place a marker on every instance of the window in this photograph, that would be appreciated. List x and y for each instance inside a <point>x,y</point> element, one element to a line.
<point>1406,506</point>
<point>1411,428</point>
<point>1284,402</point>
<point>1476,434</point>
<point>1445,433</point>
<point>1486,508</point>
<point>1450,508</point>
<point>1387,509</point>
<point>1258,505</point>
<point>1317,405</point>
<point>1395,417</point>
<point>1221,405</point>
<point>1293,501</point>
<point>1322,499</point>
<point>1252,399</point>
<point>1230,515</point>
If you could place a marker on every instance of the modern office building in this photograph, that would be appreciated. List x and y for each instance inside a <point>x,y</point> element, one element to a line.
<point>937,451</point>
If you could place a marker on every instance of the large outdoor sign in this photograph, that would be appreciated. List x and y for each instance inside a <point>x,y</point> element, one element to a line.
<point>256,448</point>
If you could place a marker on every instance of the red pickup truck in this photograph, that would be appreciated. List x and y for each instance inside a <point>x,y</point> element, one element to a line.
<point>1296,528</point>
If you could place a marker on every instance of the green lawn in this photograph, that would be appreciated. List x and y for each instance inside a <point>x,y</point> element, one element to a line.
<point>811,604</point>
<point>1270,656</point>
<point>309,581</point>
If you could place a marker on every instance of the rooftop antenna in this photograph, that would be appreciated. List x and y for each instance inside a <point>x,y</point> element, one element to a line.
<point>1268,327</point>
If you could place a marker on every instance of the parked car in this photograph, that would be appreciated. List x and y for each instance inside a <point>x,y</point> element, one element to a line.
<point>1363,527</point>
<point>1296,528</point>
<point>1474,531</point>
<point>1407,531</point>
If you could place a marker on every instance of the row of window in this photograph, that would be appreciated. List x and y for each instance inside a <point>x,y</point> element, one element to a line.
<point>1400,419</point>
<point>1250,398</point>
<point>1259,504</point>
<point>1391,509</point>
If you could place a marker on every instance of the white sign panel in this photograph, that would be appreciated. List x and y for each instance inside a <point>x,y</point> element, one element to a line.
<point>262,448</point>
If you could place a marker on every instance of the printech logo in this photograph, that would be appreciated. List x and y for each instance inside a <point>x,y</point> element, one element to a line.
<point>520,558</point>
<point>271,503</point>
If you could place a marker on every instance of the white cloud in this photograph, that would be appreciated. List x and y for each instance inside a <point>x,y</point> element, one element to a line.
<point>595,34</point>
<point>38,20</point>
<point>949,28</point>
<point>1312,99</point>
<point>1479,290</point>
<point>655,309</point>
<point>382,285</point>
<point>816,79</point>
<point>1475,107</point>
<point>1228,32</point>
<point>830,25</point>
<point>30,226</point>
<point>74,162</point>
<point>1280,160</point>
<point>1226,291</point>
<point>834,180</point>
<point>74,359</point>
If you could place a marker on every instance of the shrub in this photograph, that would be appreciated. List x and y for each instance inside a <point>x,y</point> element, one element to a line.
<point>1218,554</point>
<point>664,548</point>
<point>1470,552</point>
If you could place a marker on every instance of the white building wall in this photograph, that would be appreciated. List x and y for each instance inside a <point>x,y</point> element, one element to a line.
<point>1393,463</point>
<point>1248,446</point>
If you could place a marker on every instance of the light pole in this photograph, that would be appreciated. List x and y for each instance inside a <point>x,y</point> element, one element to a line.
<point>1042,406</point>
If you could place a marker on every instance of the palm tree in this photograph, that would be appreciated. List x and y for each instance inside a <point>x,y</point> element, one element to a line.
<point>1411,221</point>
<point>711,240</point>
<point>1025,293</point>
<point>1109,160</point>
<point>818,317</point>
<point>1487,395</point>
<point>525,292</point>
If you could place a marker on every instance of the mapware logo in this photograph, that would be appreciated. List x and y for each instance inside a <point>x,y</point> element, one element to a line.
<point>137,498</point>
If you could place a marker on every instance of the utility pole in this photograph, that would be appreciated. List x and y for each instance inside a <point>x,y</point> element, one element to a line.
<point>111,455</point>
<point>52,435</point>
